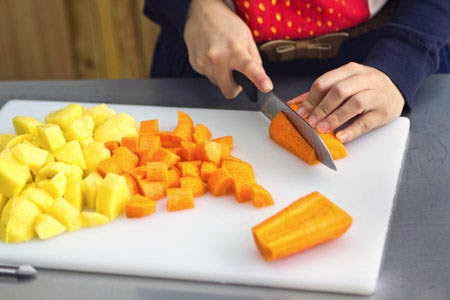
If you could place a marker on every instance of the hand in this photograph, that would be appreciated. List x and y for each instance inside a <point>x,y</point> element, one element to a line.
<point>219,42</point>
<point>350,91</point>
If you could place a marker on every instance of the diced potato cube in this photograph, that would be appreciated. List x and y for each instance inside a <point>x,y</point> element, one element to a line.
<point>31,156</point>
<point>4,139</point>
<point>80,129</point>
<point>90,186</point>
<point>38,196</point>
<point>74,194</point>
<point>3,200</point>
<point>90,219</point>
<point>25,125</point>
<point>65,213</point>
<point>55,186</point>
<point>51,136</point>
<point>50,170</point>
<point>100,113</point>
<point>13,177</point>
<point>71,153</point>
<point>47,227</point>
<point>112,195</point>
<point>65,116</point>
<point>94,153</point>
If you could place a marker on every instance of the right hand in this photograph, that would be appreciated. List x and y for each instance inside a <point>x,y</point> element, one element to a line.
<point>218,42</point>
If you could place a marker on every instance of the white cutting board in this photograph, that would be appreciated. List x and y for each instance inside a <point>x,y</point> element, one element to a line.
<point>213,242</point>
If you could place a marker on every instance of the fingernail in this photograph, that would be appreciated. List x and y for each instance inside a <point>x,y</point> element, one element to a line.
<point>267,86</point>
<point>323,127</point>
<point>302,112</point>
<point>342,137</point>
<point>312,121</point>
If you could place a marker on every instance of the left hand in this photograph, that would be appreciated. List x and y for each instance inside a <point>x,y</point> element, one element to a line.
<point>353,90</point>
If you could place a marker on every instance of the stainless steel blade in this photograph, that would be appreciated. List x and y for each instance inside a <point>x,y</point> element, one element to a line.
<point>270,105</point>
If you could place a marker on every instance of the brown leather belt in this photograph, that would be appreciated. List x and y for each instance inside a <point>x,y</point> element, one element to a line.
<point>324,46</point>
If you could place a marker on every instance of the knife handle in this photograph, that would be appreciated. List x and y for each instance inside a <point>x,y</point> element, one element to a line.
<point>248,87</point>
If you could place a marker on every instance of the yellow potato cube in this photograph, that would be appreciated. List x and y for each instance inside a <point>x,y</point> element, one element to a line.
<point>51,136</point>
<point>80,129</point>
<point>47,227</point>
<point>49,171</point>
<point>90,219</point>
<point>13,177</point>
<point>115,128</point>
<point>17,220</point>
<point>31,156</point>
<point>100,113</point>
<point>94,154</point>
<point>19,139</point>
<point>71,153</point>
<point>4,139</point>
<point>112,195</point>
<point>2,202</point>
<point>65,116</point>
<point>74,194</point>
<point>38,196</point>
<point>87,141</point>
<point>55,186</point>
<point>90,186</point>
<point>65,213</point>
<point>25,125</point>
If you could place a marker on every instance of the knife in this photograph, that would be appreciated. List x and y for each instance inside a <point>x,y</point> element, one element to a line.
<point>270,105</point>
<point>18,271</point>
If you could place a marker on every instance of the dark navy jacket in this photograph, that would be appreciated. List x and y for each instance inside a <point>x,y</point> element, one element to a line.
<point>409,48</point>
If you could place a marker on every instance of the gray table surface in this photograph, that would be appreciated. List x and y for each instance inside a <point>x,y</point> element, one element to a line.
<point>416,262</point>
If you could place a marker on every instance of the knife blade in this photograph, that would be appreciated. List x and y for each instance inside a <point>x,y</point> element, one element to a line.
<point>270,104</point>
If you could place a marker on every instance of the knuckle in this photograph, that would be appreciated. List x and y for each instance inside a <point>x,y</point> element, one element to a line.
<point>358,104</point>
<point>364,126</point>
<point>323,110</point>
<point>318,86</point>
<point>339,91</point>
<point>213,55</point>
<point>352,65</point>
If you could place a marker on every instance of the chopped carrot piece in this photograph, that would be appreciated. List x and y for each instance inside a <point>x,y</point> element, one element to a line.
<point>294,106</point>
<point>179,199</point>
<point>201,134</point>
<point>206,170</point>
<point>187,150</point>
<point>284,134</point>
<point>260,196</point>
<point>225,140</point>
<point>126,159</point>
<point>151,143</point>
<point>109,165</point>
<point>197,163</point>
<point>138,172</point>
<point>173,179</point>
<point>189,169</point>
<point>111,146</point>
<point>149,127</point>
<point>307,222</point>
<point>157,171</point>
<point>169,139</point>
<point>240,171</point>
<point>220,182</point>
<point>209,151</point>
<point>132,184</point>
<point>195,184</point>
<point>175,150</point>
<point>243,192</point>
<point>132,143</point>
<point>139,206</point>
<point>154,190</point>
<point>225,151</point>
<point>185,127</point>
<point>166,156</point>
<point>230,157</point>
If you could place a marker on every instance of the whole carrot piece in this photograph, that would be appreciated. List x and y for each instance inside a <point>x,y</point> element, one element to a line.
<point>307,222</point>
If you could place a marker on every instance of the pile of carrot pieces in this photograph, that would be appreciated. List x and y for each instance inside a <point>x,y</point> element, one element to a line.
<point>181,164</point>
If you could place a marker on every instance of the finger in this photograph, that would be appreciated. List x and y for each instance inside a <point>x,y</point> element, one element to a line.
<point>336,96</point>
<point>226,84</point>
<point>354,106</point>
<point>360,126</point>
<point>255,72</point>
<point>300,98</point>
<point>253,49</point>
<point>322,85</point>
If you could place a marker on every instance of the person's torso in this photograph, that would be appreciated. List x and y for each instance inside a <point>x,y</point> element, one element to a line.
<point>299,19</point>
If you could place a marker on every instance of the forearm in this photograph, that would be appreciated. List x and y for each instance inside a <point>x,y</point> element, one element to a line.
<point>407,47</point>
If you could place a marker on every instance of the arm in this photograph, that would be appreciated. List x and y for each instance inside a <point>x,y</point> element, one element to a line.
<point>168,12</point>
<point>405,52</point>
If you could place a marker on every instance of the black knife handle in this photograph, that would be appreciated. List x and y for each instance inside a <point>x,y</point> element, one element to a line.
<point>249,88</point>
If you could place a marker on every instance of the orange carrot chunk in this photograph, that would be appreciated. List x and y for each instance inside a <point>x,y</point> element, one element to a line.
<point>166,156</point>
<point>179,199</point>
<point>139,206</point>
<point>169,139</point>
<point>138,172</point>
<point>132,143</point>
<point>260,196</point>
<point>111,146</point>
<point>240,170</point>
<point>209,151</point>
<point>185,127</point>
<point>284,134</point>
<point>307,222</point>
<point>206,170</point>
<point>201,134</point>
<point>195,184</point>
<point>225,140</point>
<point>173,178</point>
<point>132,184</point>
<point>243,192</point>
<point>220,182</point>
<point>109,165</point>
<point>189,169</point>
<point>157,171</point>
<point>154,190</point>
<point>151,143</point>
<point>188,150</point>
<point>149,127</point>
